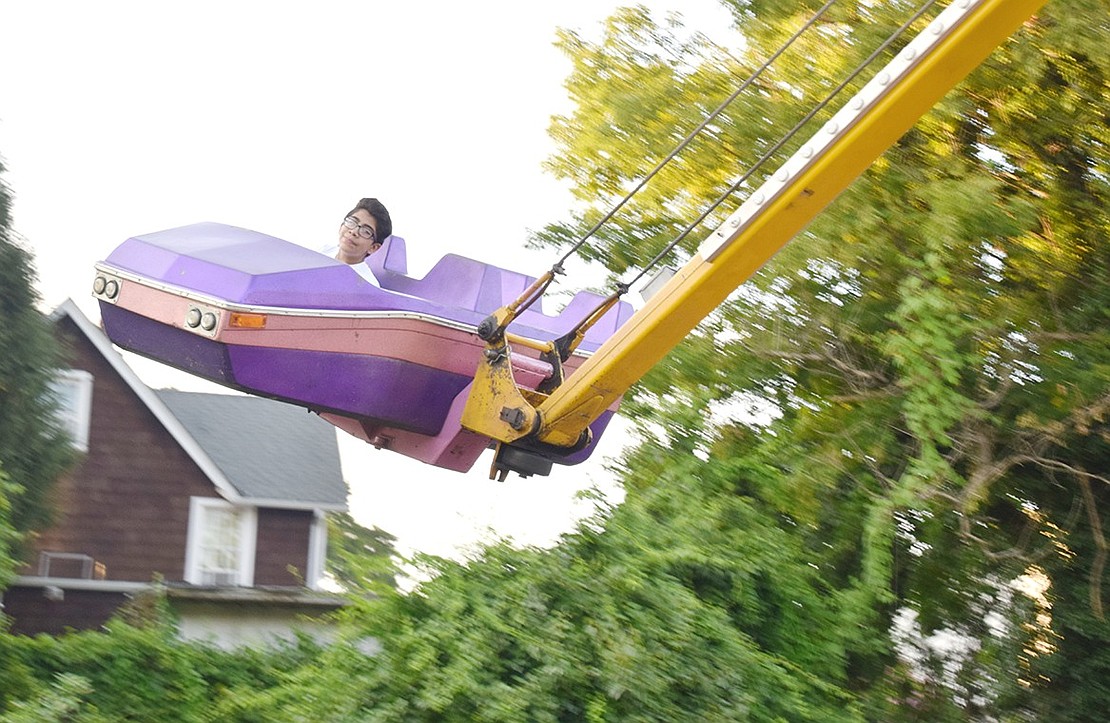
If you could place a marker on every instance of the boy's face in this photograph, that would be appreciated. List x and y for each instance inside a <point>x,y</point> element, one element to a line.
<point>353,244</point>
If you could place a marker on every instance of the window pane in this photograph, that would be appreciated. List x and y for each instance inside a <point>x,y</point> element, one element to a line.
<point>221,543</point>
<point>219,547</point>
<point>72,390</point>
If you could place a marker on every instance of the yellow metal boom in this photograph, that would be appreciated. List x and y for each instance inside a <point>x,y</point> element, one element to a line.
<point>953,45</point>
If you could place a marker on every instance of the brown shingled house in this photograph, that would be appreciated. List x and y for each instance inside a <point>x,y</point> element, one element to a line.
<point>220,497</point>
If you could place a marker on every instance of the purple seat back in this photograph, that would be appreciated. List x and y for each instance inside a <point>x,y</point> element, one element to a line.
<point>391,258</point>
<point>461,282</point>
<point>454,280</point>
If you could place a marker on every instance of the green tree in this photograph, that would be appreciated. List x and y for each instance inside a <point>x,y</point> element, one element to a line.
<point>33,450</point>
<point>896,416</point>
<point>680,607</point>
<point>932,350</point>
<point>8,535</point>
<point>361,558</point>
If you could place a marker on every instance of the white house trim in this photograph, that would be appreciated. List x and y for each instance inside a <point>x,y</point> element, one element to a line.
<point>223,485</point>
<point>70,583</point>
<point>317,550</point>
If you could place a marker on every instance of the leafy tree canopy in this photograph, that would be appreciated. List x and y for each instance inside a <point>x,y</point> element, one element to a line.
<point>929,358</point>
<point>33,450</point>
<point>360,558</point>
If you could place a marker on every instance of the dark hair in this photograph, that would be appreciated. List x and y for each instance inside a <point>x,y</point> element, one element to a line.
<point>375,208</point>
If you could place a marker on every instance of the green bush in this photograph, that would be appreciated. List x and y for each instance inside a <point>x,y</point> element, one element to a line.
<point>136,672</point>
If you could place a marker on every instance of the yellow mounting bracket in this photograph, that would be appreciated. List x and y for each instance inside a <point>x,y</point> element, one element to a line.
<point>497,407</point>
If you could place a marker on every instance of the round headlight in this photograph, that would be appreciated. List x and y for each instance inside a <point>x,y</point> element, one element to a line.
<point>192,319</point>
<point>98,284</point>
<point>208,321</point>
<point>111,289</point>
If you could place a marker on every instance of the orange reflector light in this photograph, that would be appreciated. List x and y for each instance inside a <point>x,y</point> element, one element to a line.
<point>247,321</point>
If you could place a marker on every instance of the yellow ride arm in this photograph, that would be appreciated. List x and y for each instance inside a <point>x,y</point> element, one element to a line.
<point>953,45</point>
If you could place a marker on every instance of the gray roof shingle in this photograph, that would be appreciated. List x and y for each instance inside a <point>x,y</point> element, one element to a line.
<point>268,450</point>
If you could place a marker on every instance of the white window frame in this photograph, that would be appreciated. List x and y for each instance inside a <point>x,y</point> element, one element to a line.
<point>247,542</point>
<point>75,384</point>
<point>317,550</point>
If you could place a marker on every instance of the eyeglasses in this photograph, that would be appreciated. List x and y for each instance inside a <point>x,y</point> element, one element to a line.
<point>364,230</point>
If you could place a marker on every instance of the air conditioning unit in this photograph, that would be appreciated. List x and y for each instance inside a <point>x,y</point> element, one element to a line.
<point>221,577</point>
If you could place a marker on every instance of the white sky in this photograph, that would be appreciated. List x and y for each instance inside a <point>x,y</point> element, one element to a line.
<point>120,118</point>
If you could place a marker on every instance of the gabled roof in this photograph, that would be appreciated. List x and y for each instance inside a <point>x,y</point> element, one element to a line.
<point>267,449</point>
<point>262,452</point>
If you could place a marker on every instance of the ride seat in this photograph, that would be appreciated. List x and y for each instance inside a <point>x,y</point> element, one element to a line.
<point>459,282</point>
<point>392,257</point>
<point>454,280</point>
